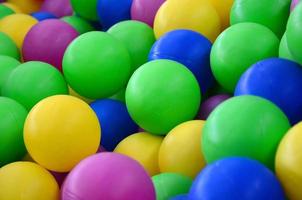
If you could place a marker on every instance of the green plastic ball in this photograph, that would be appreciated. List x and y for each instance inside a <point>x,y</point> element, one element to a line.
<point>294,33</point>
<point>8,47</point>
<point>270,13</point>
<point>12,119</point>
<point>168,185</point>
<point>138,38</point>
<point>237,48</point>
<point>162,94</point>
<point>96,65</point>
<point>85,8</point>
<point>284,51</point>
<point>79,24</point>
<point>246,126</point>
<point>33,81</point>
<point>4,11</point>
<point>7,64</point>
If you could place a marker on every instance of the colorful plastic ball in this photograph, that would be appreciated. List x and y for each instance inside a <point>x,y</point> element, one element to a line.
<point>162,94</point>
<point>195,15</point>
<point>42,15</point>
<point>27,181</point>
<point>7,65</point>
<point>168,185</point>
<point>284,51</point>
<point>288,162</point>
<point>81,25</point>
<point>237,179</point>
<point>11,125</point>
<point>33,81</point>
<point>111,12</point>
<point>96,65</point>
<point>60,131</point>
<point>115,121</point>
<point>16,27</point>
<point>237,48</point>
<point>27,6</point>
<point>145,10</point>
<point>8,47</point>
<point>180,197</point>
<point>294,4</point>
<point>85,8</point>
<point>59,8</point>
<point>5,11</point>
<point>108,176</point>
<point>223,9</point>
<point>144,148</point>
<point>138,38</point>
<point>285,79</point>
<point>190,49</point>
<point>180,150</point>
<point>47,42</point>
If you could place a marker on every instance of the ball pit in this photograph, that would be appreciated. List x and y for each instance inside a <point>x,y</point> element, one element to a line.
<point>8,47</point>
<point>81,25</point>
<point>42,15</point>
<point>210,104</point>
<point>59,8</point>
<point>7,64</point>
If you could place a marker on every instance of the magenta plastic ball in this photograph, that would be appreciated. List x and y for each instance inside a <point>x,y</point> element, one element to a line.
<point>210,104</point>
<point>59,8</point>
<point>145,10</point>
<point>47,42</point>
<point>108,176</point>
<point>294,4</point>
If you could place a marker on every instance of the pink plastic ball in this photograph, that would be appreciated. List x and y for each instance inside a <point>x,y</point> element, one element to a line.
<point>294,4</point>
<point>59,8</point>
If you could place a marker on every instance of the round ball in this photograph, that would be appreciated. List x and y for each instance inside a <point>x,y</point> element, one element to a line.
<point>168,185</point>
<point>27,181</point>
<point>5,11</point>
<point>60,131</point>
<point>195,15</point>
<point>237,179</point>
<point>294,4</point>
<point>144,148</point>
<point>108,176</point>
<point>190,49</point>
<point>256,128</point>
<point>237,48</point>
<point>81,25</point>
<point>289,161</point>
<point>285,79</point>
<point>8,47</point>
<point>223,9</point>
<point>180,150</point>
<point>27,6</point>
<point>59,8</point>
<point>47,42</point>
<point>85,8</point>
<point>7,65</point>
<point>284,51</point>
<point>38,79</point>
<point>162,94</point>
<point>12,146</point>
<point>42,15</point>
<point>115,121</point>
<point>96,65</point>
<point>137,37</point>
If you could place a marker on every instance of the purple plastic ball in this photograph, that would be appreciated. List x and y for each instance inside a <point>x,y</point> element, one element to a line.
<point>294,4</point>
<point>108,176</point>
<point>47,42</point>
<point>59,8</point>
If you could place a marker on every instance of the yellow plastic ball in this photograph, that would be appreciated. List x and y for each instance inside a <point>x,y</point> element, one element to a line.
<point>15,8</point>
<point>142,147</point>
<point>289,162</point>
<point>196,15</point>
<point>75,94</point>
<point>27,181</point>
<point>60,131</point>
<point>16,26</point>
<point>223,7</point>
<point>180,151</point>
<point>27,6</point>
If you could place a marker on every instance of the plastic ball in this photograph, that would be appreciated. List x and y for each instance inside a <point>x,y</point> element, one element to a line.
<point>237,48</point>
<point>115,121</point>
<point>138,38</point>
<point>237,179</point>
<point>111,12</point>
<point>27,181</point>
<point>284,51</point>
<point>42,15</point>
<point>96,65</point>
<point>190,49</point>
<point>38,79</point>
<point>180,197</point>
<point>162,94</point>
<point>168,185</point>
<point>144,148</point>
<point>27,6</point>
<point>5,11</point>
<point>12,146</point>
<point>288,162</point>
<point>108,176</point>
<point>47,42</point>
<point>8,47</point>
<point>180,150</point>
<point>81,25</point>
<point>60,131</point>
<point>223,8</point>
<point>59,8</point>
<point>7,65</point>
<point>294,4</point>
<point>285,79</point>
<point>256,128</point>
<point>195,15</point>
<point>145,10</point>
<point>85,8</point>
<point>16,27</point>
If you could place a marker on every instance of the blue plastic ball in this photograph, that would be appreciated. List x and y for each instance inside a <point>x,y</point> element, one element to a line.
<point>111,12</point>
<point>41,15</point>
<point>190,49</point>
<point>180,197</point>
<point>236,179</point>
<point>116,123</point>
<point>278,80</point>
